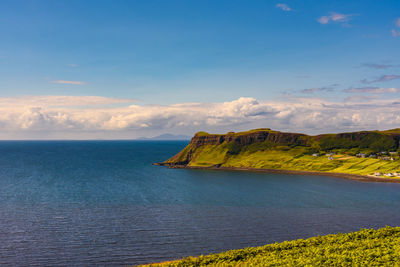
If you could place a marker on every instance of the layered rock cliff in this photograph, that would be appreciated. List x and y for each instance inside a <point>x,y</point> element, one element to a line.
<point>247,138</point>
<point>219,147</point>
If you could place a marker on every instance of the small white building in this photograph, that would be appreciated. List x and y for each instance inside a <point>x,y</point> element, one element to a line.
<point>315,154</point>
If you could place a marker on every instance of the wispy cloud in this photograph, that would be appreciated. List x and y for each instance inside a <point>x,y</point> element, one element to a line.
<point>359,98</point>
<point>72,65</point>
<point>68,82</point>
<point>373,90</point>
<point>330,88</point>
<point>383,78</point>
<point>378,66</point>
<point>335,18</point>
<point>284,7</point>
<point>316,89</point>
<point>60,100</point>
<point>396,33</point>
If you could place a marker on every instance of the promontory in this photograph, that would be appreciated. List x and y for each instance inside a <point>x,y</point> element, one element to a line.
<point>362,155</point>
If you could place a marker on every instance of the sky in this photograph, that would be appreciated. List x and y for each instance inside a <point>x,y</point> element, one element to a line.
<point>127,69</point>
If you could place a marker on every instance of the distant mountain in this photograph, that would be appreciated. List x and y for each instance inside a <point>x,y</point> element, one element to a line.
<point>166,136</point>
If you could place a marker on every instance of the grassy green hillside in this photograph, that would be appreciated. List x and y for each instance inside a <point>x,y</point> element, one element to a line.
<point>285,158</point>
<point>363,248</point>
<point>267,149</point>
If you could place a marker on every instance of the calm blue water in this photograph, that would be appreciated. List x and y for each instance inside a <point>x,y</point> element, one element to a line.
<point>75,203</point>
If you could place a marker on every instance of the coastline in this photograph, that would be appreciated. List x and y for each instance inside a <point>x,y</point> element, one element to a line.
<point>356,177</point>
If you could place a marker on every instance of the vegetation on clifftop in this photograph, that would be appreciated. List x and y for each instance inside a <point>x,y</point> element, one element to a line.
<point>366,247</point>
<point>268,149</point>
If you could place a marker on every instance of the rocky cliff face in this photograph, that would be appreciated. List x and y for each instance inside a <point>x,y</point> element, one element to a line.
<point>249,138</point>
<point>242,139</point>
<point>380,141</point>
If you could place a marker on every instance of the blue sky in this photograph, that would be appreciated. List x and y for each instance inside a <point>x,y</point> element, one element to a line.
<point>169,52</point>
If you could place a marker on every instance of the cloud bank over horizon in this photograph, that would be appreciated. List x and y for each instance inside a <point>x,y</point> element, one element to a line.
<point>94,117</point>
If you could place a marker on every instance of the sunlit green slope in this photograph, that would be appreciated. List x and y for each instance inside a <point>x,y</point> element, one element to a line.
<point>363,248</point>
<point>362,153</point>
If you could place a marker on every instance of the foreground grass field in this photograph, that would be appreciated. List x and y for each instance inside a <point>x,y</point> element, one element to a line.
<point>366,247</point>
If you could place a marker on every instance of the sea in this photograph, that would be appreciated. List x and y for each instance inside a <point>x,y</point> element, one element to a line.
<point>103,203</point>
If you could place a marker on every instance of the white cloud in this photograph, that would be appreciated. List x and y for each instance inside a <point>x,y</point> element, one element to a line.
<point>68,82</point>
<point>335,17</point>
<point>324,19</point>
<point>46,117</point>
<point>284,7</point>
